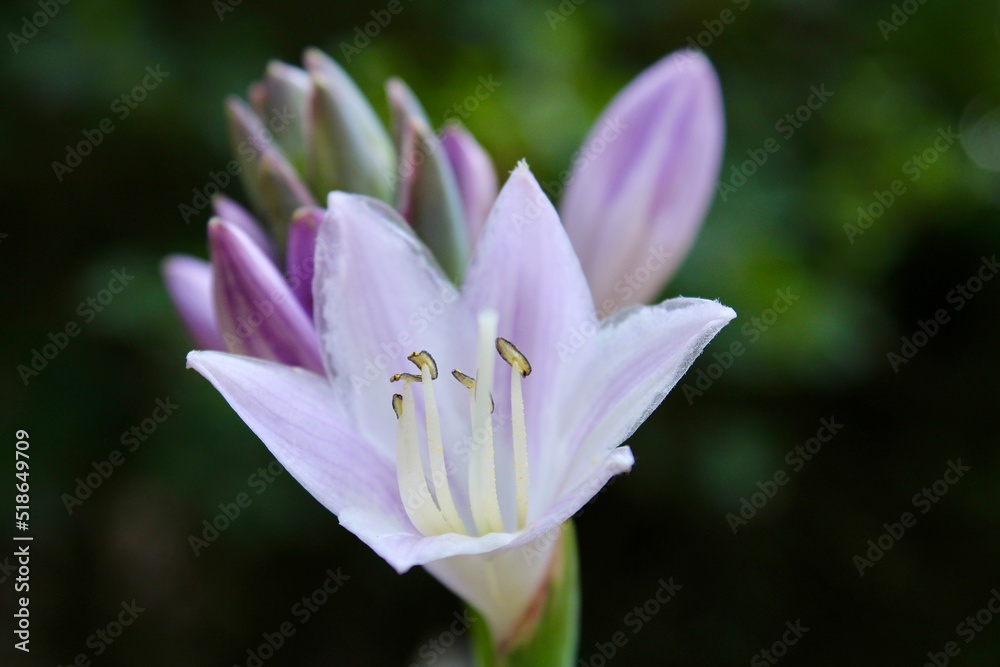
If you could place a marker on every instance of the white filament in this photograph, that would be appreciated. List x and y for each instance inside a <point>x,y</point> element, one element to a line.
<point>520,445</point>
<point>435,446</point>
<point>482,468</point>
<point>420,507</point>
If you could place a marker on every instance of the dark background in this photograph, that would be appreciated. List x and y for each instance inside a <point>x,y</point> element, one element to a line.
<point>697,456</point>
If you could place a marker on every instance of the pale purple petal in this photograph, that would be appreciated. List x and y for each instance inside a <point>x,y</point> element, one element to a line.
<point>403,550</point>
<point>258,314</point>
<point>297,416</point>
<point>504,597</point>
<point>644,178</point>
<point>522,564</point>
<point>379,296</point>
<point>230,211</point>
<point>301,262</point>
<point>189,284</point>
<point>623,373</point>
<point>477,179</point>
<point>524,268</point>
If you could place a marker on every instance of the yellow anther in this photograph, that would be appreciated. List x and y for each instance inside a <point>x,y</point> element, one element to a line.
<point>470,384</point>
<point>512,355</point>
<point>409,377</point>
<point>397,405</point>
<point>424,358</point>
<point>467,381</point>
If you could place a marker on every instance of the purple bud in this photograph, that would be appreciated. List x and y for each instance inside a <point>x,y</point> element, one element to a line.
<point>474,172</point>
<point>230,211</point>
<point>301,264</point>
<point>643,180</point>
<point>257,312</point>
<point>189,284</point>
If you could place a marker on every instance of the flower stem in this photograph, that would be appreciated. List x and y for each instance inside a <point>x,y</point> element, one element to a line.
<point>551,637</point>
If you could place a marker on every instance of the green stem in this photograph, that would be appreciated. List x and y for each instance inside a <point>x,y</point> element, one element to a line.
<point>552,641</point>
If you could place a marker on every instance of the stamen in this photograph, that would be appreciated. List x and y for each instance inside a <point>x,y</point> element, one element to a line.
<point>425,515</point>
<point>435,444</point>
<point>482,468</point>
<point>397,405</point>
<point>470,384</point>
<point>513,356</point>
<point>466,381</point>
<point>424,358</point>
<point>409,377</point>
<point>520,367</point>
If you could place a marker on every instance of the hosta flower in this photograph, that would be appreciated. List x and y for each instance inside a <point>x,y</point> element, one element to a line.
<point>447,430</point>
<point>304,133</point>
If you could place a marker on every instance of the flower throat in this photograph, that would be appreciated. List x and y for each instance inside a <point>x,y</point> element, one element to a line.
<point>436,513</point>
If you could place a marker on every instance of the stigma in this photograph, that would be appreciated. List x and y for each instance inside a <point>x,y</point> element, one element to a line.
<point>432,509</point>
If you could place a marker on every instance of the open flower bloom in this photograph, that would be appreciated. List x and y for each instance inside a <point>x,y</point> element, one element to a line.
<point>458,429</point>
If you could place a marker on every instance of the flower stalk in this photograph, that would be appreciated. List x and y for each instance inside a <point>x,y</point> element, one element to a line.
<point>550,630</point>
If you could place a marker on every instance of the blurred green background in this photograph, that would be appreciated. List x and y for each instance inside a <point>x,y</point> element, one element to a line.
<point>697,457</point>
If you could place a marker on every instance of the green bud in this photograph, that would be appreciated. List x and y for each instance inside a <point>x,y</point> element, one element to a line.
<point>427,189</point>
<point>348,149</point>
